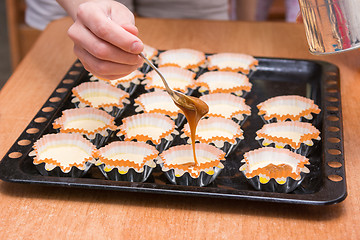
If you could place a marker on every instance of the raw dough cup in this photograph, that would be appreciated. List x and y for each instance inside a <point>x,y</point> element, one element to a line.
<point>177,164</point>
<point>275,170</point>
<point>126,161</point>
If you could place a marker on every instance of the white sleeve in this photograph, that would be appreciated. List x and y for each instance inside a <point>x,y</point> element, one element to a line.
<point>39,13</point>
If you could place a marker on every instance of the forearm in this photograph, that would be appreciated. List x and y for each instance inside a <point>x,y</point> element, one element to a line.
<point>71,6</point>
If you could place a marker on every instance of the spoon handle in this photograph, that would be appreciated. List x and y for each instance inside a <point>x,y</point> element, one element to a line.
<point>168,89</point>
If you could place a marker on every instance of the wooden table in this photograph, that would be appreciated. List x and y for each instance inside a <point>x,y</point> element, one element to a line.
<point>41,212</point>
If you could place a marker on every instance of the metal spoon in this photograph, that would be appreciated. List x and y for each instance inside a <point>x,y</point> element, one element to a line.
<point>178,97</point>
<point>193,108</point>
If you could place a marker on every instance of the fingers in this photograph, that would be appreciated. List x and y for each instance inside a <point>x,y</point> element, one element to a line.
<point>101,68</point>
<point>131,29</point>
<point>105,39</point>
<point>102,26</point>
<point>99,48</point>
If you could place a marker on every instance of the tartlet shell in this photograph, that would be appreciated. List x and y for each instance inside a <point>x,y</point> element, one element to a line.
<point>97,136</point>
<point>216,62</point>
<point>126,169</point>
<point>267,136</point>
<point>279,180</point>
<point>237,83</point>
<point>307,111</point>
<point>158,120</point>
<point>171,57</point>
<point>242,110</point>
<point>200,175</point>
<point>52,166</point>
<point>115,108</point>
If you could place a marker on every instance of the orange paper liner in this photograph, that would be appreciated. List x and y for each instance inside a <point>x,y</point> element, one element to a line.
<point>124,146</point>
<point>270,155</point>
<point>194,171</point>
<point>225,98</point>
<point>149,52</point>
<point>161,96</point>
<point>169,73</point>
<point>128,78</point>
<point>63,138</point>
<point>146,118</point>
<point>238,58</point>
<point>194,58</point>
<point>309,133</point>
<point>312,108</point>
<point>236,130</point>
<point>239,82</point>
<point>94,86</point>
<point>74,113</point>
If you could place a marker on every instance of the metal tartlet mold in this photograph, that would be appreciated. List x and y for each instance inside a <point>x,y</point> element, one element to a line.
<point>130,176</point>
<point>203,180</point>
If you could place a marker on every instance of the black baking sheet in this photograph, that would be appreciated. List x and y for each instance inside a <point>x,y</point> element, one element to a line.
<point>313,79</point>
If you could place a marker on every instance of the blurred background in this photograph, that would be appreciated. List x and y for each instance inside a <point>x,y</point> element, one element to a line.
<point>17,38</point>
<point>5,65</point>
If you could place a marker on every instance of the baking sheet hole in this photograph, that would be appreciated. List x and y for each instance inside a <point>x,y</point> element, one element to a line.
<point>24,142</point>
<point>61,90</point>
<point>55,99</point>
<point>333,129</point>
<point>40,119</point>
<point>331,82</point>
<point>333,140</point>
<point>332,90</point>
<point>334,151</point>
<point>332,99</point>
<point>335,164</point>
<point>47,109</point>
<point>68,81</point>
<point>335,178</point>
<point>32,130</point>
<point>78,64</point>
<point>73,73</point>
<point>331,108</point>
<point>15,155</point>
<point>333,118</point>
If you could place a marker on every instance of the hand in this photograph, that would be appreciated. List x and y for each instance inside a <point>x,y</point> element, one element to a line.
<point>105,39</point>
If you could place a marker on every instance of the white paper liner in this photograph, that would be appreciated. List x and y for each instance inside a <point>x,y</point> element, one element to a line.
<point>183,57</point>
<point>227,106</point>
<point>288,107</point>
<point>149,52</point>
<point>128,83</point>
<point>102,96</point>
<point>282,165</point>
<point>159,102</point>
<point>296,136</point>
<point>224,82</point>
<point>96,125</point>
<point>154,128</point>
<point>126,161</point>
<point>70,153</point>
<point>221,132</point>
<point>232,62</point>
<point>177,163</point>
<point>178,79</point>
